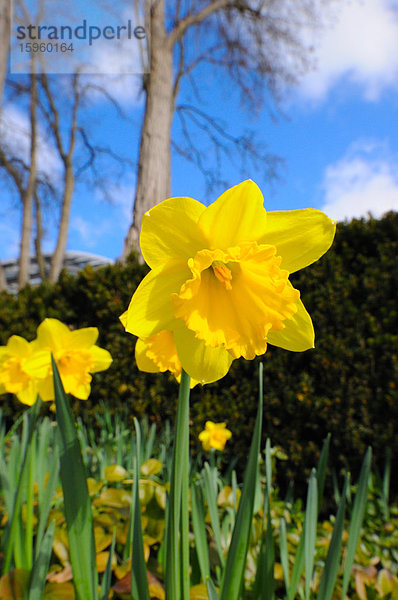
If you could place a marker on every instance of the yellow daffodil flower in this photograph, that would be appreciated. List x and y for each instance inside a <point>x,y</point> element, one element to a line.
<point>219,278</point>
<point>75,354</point>
<point>14,379</point>
<point>214,435</point>
<point>159,353</point>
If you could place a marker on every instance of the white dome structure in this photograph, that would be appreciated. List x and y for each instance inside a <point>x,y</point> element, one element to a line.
<point>74,261</point>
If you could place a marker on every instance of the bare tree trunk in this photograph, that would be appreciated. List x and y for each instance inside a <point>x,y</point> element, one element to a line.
<point>3,281</point>
<point>4,41</point>
<point>69,177</point>
<point>39,238</point>
<point>27,197</point>
<point>59,253</point>
<point>153,180</point>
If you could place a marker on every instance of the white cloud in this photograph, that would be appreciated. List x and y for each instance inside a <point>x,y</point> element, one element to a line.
<point>117,66</point>
<point>361,47</point>
<point>15,139</point>
<point>364,181</point>
<point>125,89</point>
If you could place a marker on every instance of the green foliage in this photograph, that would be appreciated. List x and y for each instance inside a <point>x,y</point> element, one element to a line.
<point>347,385</point>
<point>277,525</point>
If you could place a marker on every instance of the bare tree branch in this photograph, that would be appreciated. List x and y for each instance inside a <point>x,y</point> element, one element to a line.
<point>195,18</point>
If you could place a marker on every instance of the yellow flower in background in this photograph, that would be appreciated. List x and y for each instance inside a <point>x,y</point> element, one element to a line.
<point>214,435</point>
<point>14,379</point>
<point>75,354</point>
<point>219,278</point>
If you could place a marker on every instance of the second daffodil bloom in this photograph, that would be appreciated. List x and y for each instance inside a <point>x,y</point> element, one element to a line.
<point>214,435</point>
<point>75,355</point>
<point>219,279</point>
<point>159,353</point>
<point>14,378</point>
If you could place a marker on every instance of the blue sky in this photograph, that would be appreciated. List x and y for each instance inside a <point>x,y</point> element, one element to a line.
<point>338,138</point>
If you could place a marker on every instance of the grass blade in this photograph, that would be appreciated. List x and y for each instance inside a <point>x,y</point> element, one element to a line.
<point>77,501</point>
<point>139,577</point>
<point>321,471</point>
<point>385,490</point>
<point>177,582</point>
<point>211,589</point>
<point>199,530</point>
<point>107,577</point>
<point>31,471</point>
<point>284,553</point>
<point>47,497</point>
<point>310,523</point>
<point>357,518</point>
<point>265,583</point>
<point>331,567</point>
<point>233,575</point>
<point>11,541</point>
<point>40,568</point>
<point>213,510</point>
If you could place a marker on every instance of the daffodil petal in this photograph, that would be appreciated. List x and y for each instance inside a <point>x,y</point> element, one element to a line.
<point>169,230</point>
<point>79,389</point>
<point>150,309</point>
<point>143,362</point>
<point>298,334</point>
<point>170,362</point>
<point>201,362</point>
<point>101,359</point>
<point>45,388</point>
<point>123,318</point>
<point>38,364</point>
<point>301,236</point>
<point>80,338</point>
<point>238,215</point>
<point>28,395</point>
<point>209,425</point>
<point>51,333</point>
<point>18,346</point>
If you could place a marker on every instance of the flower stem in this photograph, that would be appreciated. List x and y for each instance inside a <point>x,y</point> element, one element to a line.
<point>177,546</point>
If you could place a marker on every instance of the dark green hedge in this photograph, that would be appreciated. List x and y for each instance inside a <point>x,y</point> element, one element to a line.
<point>347,385</point>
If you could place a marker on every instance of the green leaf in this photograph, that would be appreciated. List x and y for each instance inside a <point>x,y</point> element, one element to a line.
<point>284,552</point>
<point>268,470</point>
<point>211,496</point>
<point>321,471</point>
<point>47,497</point>
<point>356,519</point>
<point>331,567</point>
<point>176,576</point>
<point>310,523</point>
<point>107,577</point>
<point>139,578</point>
<point>233,575</point>
<point>78,516</point>
<point>386,485</point>
<point>11,542</point>
<point>264,584</point>
<point>199,530</point>
<point>211,589</point>
<point>40,568</point>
